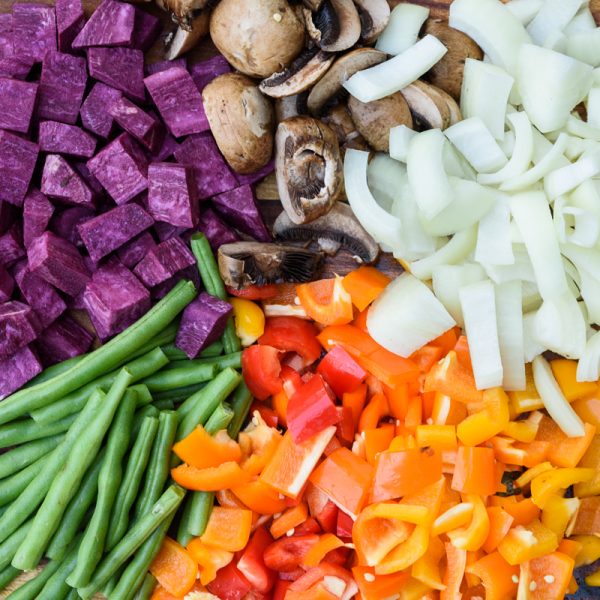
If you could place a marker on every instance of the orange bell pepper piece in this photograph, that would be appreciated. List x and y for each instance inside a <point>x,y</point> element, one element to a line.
<point>414,413</point>
<point>317,553</point>
<point>160,593</point>
<point>258,442</point>
<point>376,587</point>
<point>259,497</point>
<point>497,576</point>
<point>453,379</point>
<point>280,401</point>
<point>209,559</point>
<point>202,450</point>
<point>290,519</point>
<point>525,430</point>
<point>588,410</point>
<point>355,401</point>
<point>588,517</point>
<point>406,553</point>
<point>351,338</point>
<point>426,356</point>
<point>491,420</point>
<point>461,347</point>
<point>228,528</point>
<point>224,476</point>
<point>500,524</point>
<point>565,373</point>
<point>430,497</point>
<point>546,485</point>
<point>228,499</point>
<point>564,451</point>
<point>409,513</point>
<point>518,453</point>
<point>427,568</point>
<point>523,543</point>
<point>376,409</point>
<point>315,592</point>
<point>446,411</point>
<point>174,568</point>
<point>389,368</point>
<point>377,440</point>
<point>456,563</point>
<point>439,437</point>
<point>590,460</point>
<point>364,285</point>
<point>473,536</point>
<point>474,471</point>
<point>326,301</point>
<point>559,513</point>
<point>523,512</point>
<point>546,577</point>
<point>528,476</point>
<point>447,341</point>
<point>454,517</point>
<point>397,398</point>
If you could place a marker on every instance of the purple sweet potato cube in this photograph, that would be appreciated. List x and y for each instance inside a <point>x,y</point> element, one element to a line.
<point>17,102</point>
<point>64,224</point>
<point>163,65</point>
<point>213,175</point>
<point>70,20</point>
<point>17,370</point>
<point>138,123</point>
<point>92,182</point>
<point>114,299</point>
<point>121,168</point>
<point>64,339</point>
<point>19,325</point>
<point>11,246</point>
<point>239,208</point>
<point>17,162</point>
<point>61,181</point>
<point>58,262</point>
<point>95,115</point>
<point>40,295</point>
<point>7,285</point>
<point>8,215</point>
<point>216,231</point>
<point>202,323</point>
<point>167,259</point>
<point>204,72</point>
<point>66,139</point>
<point>111,230</point>
<point>62,86</point>
<point>178,101</point>
<point>146,31</point>
<point>34,30</point>
<point>257,175</point>
<point>111,24</point>
<point>165,231</point>
<point>172,194</point>
<point>37,212</point>
<point>6,39</point>
<point>11,65</point>
<point>121,68</point>
<point>132,252</point>
<point>167,149</point>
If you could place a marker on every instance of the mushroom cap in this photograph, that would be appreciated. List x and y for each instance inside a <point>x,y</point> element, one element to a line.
<point>429,106</point>
<point>184,11</point>
<point>374,16</point>
<point>334,26</point>
<point>241,121</point>
<point>338,117</point>
<point>308,168</point>
<point>258,37</point>
<point>185,38</point>
<point>290,106</point>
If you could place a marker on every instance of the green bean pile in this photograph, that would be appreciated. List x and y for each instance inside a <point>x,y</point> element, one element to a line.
<point>84,480</point>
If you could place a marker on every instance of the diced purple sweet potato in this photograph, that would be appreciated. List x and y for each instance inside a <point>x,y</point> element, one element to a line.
<point>204,72</point>
<point>11,246</point>
<point>121,68</point>
<point>138,123</point>
<point>58,262</point>
<point>163,65</point>
<point>178,101</point>
<point>62,86</point>
<point>70,20</point>
<point>37,212</point>
<point>64,339</point>
<point>132,252</point>
<point>216,231</point>
<point>34,30</point>
<point>121,168</point>
<point>165,231</point>
<point>172,194</point>
<point>114,299</point>
<point>61,181</point>
<point>239,208</point>
<point>11,65</point>
<point>61,138</point>
<point>202,323</point>
<point>111,230</point>
<point>15,68</point>
<point>17,370</point>
<point>8,215</point>
<point>146,30</point>
<point>40,295</point>
<point>95,115</point>
<point>212,174</point>
<point>111,24</point>
<point>7,285</point>
<point>19,325</point>
<point>64,224</point>
<point>17,162</point>
<point>17,102</point>
<point>167,149</point>
<point>190,273</point>
<point>167,259</point>
<point>6,40</point>
<point>257,176</point>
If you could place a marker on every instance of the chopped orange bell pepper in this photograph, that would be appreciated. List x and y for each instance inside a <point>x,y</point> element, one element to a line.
<point>447,341</point>
<point>377,440</point>
<point>430,497</point>
<point>427,568</point>
<point>491,420</point>
<point>202,450</point>
<point>453,379</point>
<point>588,551</point>
<point>474,471</point>
<point>326,301</point>
<point>406,553</point>
<point>522,511</point>
<point>397,398</point>
<point>410,513</point>
<point>523,543</point>
<point>290,519</point>
<point>327,542</point>
<point>500,524</point>
<point>209,559</point>
<point>588,410</point>
<point>280,401</point>
<point>588,517</point>
<point>414,413</point>
<point>315,592</point>
<point>559,513</point>
<point>446,411</point>
<point>462,352</point>
<point>174,568</point>
<point>389,368</point>
<point>376,409</point>
<point>355,401</point>
<point>546,485</point>
<point>565,373</point>
<point>364,285</point>
<point>426,356</point>
<point>456,563</point>
<point>564,451</point>
<point>546,577</point>
<point>473,537</point>
<point>497,576</point>
<point>351,338</point>
<point>228,528</point>
<point>518,453</point>
<point>224,476</point>
<point>439,437</point>
<point>376,587</point>
<point>527,399</point>
<point>454,517</point>
<point>258,443</point>
<point>259,497</point>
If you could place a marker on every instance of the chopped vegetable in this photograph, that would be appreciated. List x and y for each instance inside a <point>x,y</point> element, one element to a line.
<point>62,340</point>
<point>143,127</point>
<point>12,118</point>
<point>164,261</point>
<point>120,68</point>
<point>17,162</point>
<point>95,110</point>
<point>34,30</point>
<point>61,181</point>
<point>70,20</point>
<point>172,194</point>
<point>111,24</point>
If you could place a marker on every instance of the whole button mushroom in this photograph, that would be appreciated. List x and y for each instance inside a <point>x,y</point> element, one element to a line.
<point>258,37</point>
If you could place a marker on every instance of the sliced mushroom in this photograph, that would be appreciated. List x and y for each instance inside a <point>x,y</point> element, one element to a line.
<point>335,26</point>
<point>313,4</point>
<point>375,119</point>
<point>252,263</point>
<point>302,74</point>
<point>340,120</point>
<point>428,107</point>
<point>341,70</point>
<point>339,227</point>
<point>185,38</point>
<point>374,16</point>
<point>184,11</point>
<point>290,106</point>
<point>308,168</point>
<point>455,114</point>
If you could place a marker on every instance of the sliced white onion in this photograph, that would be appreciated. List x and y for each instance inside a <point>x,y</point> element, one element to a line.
<point>593,107</point>
<point>521,269</point>
<point>588,368</point>
<point>400,137</point>
<point>576,147</point>
<point>531,345</point>
<point>566,179</point>
<point>530,297</point>
<point>386,179</point>
<point>455,164</point>
<point>556,41</point>
<point>586,197</point>
<point>406,316</point>
<point>582,21</point>
<point>585,46</point>
<point>590,292</point>
<point>509,317</point>
<point>402,29</point>
<point>524,10</point>
<point>508,143</point>
<point>396,73</point>
<point>554,401</point>
<point>575,225</point>
<point>554,15</point>
<point>494,244</point>
<point>576,126</point>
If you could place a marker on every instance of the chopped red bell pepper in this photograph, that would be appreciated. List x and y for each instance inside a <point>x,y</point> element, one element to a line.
<point>229,584</point>
<point>281,587</point>
<point>261,369</point>
<point>318,573</point>
<point>322,508</point>
<point>341,371</point>
<point>345,426</point>
<point>286,554</point>
<point>344,526</point>
<point>291,334</point>
<point>252,563</point>
<point>292,380</point>
<point>254,292</point>
<point>269,416</point>
<point>309,526</point>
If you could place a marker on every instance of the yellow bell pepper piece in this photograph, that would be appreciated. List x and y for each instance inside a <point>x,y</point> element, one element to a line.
<point>487,423</point>
<point>559,513</point>
<point>565,373</point>
<point>473,537</point>
<point>524,542</point>
<point>593,580</point>
<point>407,553</point>
<point>525,430</point>
<point>418,515</point>
<point>550,483</point>
<point>414,589</point>
<point>528,399</point>
<point>590,549</point>
<point>591,459</point>
<point>440,437</point>
<point>427,568</point>
<point>249,320</point>
<point>528,476</point>
<point>456,516</point>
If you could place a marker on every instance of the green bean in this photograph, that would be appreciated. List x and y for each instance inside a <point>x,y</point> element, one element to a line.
<point>200,509</point>
<point>9,546</point>
<point>68,480</point>
<point>233,360</point>
<point>19,458</point>
<point>27,430</point>
<point>164,404</point>
<point>73,595</point>
<point>139,368</point>
<point>140,531</point>
<point>143,395</point>
<point>220,419</point>
<point>31,589</point>
<point>176,378</point>
<point>109,481</point>
<point>164,338</point>
<point>7,575</point>
<point>147,588</point>
<point>184,537</point>
<point>136,466</point>
<point>178,394</point>
<point>56,587</point>
<point>158,465</point>
<point>107,357</point>
<point>240,403</point>
<point>54,370</point>
<point>140,415</point>
<point>12,487</point>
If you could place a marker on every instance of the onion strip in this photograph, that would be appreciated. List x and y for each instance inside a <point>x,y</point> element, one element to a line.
<point>509,316</point>
<point>402,30</point>
<point>588,368</point>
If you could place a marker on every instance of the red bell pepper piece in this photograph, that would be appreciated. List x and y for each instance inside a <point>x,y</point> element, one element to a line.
<point>269,416</point>
<point>286,554</point>
<point>229,584</point>
<point>254,292</point>
<point>309,526</point>
<point>318,573</point>
<point>344,526</point>
<point>291,334</point>
<point>292,380</point>
<point>261,369</point>
<point>341,371</point>
<point>252,564</point>
<point>322,508</point>
<point>281,587</point>
<point>345,426</point>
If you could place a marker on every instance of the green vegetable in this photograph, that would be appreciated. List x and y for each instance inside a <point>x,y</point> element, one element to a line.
<point>55,370</point>
<point>233,360</point>
<point>143,395</point>
<point>184,537</point>
<point>25,455</point>
<point>240,403</point>
<point>56,587</point>
<point>186,374</point>
<point>11,487</point>
<point>164,404</point>
<point>174,353</point>
<point>140,415</point>
<point>164,338</point>
<point>178,394</point>
<point>201,504</point>
<point>10,545</point>
<point>31,589</point>
<point>220,419</point>
<point>27,430</point>
<point>147,588</point>
<point>7,575</point>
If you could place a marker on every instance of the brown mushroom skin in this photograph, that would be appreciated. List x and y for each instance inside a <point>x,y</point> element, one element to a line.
<point>448,73</point>
<point>258,37</point>
<point>241,120</point>
<point>375,119</point>
<point>339,119</point>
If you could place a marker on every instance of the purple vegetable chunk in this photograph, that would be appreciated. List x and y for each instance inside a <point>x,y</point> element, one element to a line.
<point>121,68</point>
<point>64,339</point>
<point>146,30</point>
<point>111,24</point>
<point>11,246</point>
<point>17,370</point>
<point>6,40</point>
<point>167,149</point>
<point>8,215</point>
<point>17,162</point>
<point>70,20</point>
<point>216,231</point>
<point>61,138</point>
<point>213,175</point>
<point>164,261</point>
<point>132,252</point>
<point>111,230</point>
<point>163,65</point>
<point>138,123</point>
<point>17,102</point>
<point>61,181</point>
<point>7,285</point>
<point>121,168</point>
<point>114,299</point>
<point>37,212</point>
<point>178,101</point>
<point>189,273</point>
<point>90,180</point>
<point>58,262</point>
<point>11,65</point>
<point>19,325</point>
<point>95,115</point>
<point>165,231</point>
<point>64,224</point>
<point>239,207</point>
<point>34,30</point>
<point>62,86</point>
<point>257,176</point>
<point>202,323</point>
<point>204,72</point>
